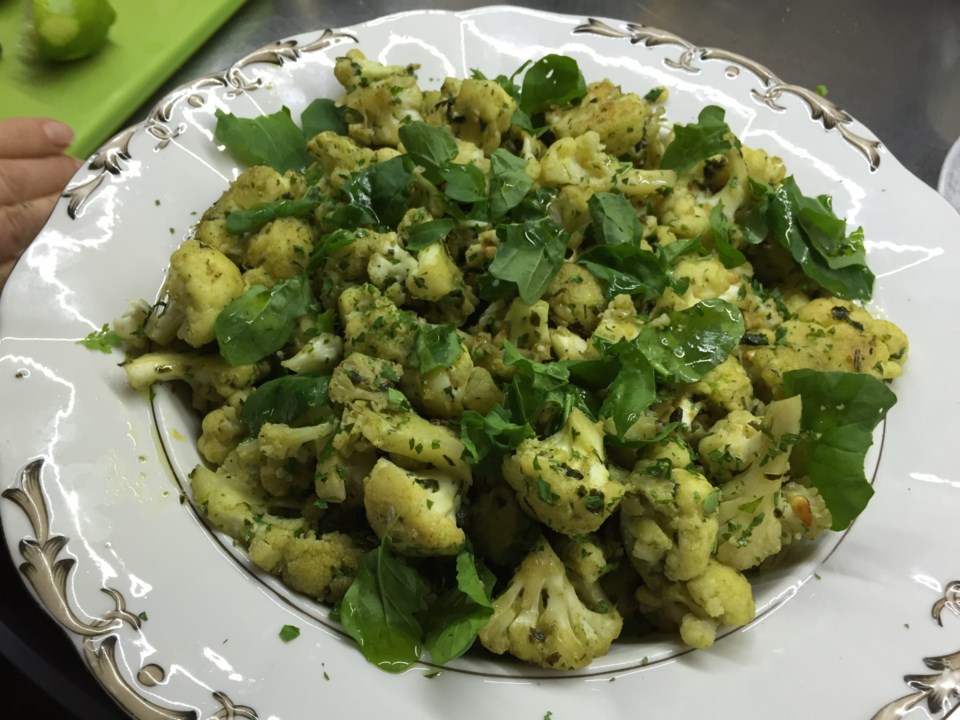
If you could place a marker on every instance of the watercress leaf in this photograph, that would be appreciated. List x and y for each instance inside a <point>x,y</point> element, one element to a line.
<point>293,400</point>
<point>698,141</point>
<point>244,221</point>
<point>464,183</point>
<point>626,268</point>
<point>593,374</point>
<point>613,219</point>
<point>453,621</point>
<point>523,121</point>
<point>632,391</point>
<point>273,140</point>
<point>426,233</point>
<point>693,340</point>
<point>260,321</point>
<point>509,182</point>
<point>437,346</point>
<point>536,385</point>
<point>812,234</point>
<point>103,340</point>
<point>379,610</point>
<point>490,434</point>
<point>840,412</point>
<point>491,288</point>
<point>328,244</point>
<point>381,192</point>
<point>552,81</point>
<point>728,254</point>
<point>534,206</point>
<point>323,115</point>
<point>653,95</point>
<point>529,255</point>
<point>755,225</point>
<point>431,147</point>
<point>677,249</point>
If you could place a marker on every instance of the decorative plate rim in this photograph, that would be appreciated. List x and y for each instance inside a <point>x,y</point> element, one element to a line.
<point>47,574</point>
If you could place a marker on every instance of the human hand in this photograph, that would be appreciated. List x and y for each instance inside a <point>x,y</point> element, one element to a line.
<point>33,173</point>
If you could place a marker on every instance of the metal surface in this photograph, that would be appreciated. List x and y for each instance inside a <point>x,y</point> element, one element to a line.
<point>893,66</point>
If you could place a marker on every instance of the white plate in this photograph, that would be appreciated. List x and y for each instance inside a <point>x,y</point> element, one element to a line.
<point>171,619</point>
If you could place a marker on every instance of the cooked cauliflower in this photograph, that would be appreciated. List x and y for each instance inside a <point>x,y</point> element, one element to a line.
<point>417,511</point>
<point>539,617</point>
<point>563,480</point>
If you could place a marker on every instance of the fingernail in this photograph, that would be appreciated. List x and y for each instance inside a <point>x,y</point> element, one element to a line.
<point>58,134</point>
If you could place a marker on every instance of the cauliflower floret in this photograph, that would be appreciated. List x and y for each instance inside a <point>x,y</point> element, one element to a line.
<point>374,325</point>
<point>254,186</point>
<point>320,354</point>
<point>390,266</point>
<point>339,479</point>
<point>223,429</point>
<point>578,161</point>
<point>287,455</point>
<point>202,282</point>
<point>567,345</point>
<point>210,378</point>
<point>763,167</point>
<point>440,392</point>
<point>405,434</point>
<point>570,210</point>
<point>726,387</point>
<point>382,96</point>
<point>619,321</point>
<point>669,520</point>
<point>527,328</point>
<point>576,298</point>
<point>586,563</point>
<point>623,122</point>
<point>539,617</point>
<point>803,513</point>
<point>732,444</point>
<point>340,157</point>
<point>321,567</point>
<point>563,480</point>
<point>435,276</point>
<point>278,251</point>
<point>724,596</point>
<point>749,527</point>
<point>363,378</point>
<point>481,113</point>
<point>416,510</point>
<point>707,279</point>
<point>828,335</point>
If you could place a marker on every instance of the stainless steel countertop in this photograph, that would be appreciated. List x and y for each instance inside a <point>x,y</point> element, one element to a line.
<point>894,66</point>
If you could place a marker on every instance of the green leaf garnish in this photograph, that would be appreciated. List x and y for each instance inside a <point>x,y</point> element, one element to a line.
<point>273,140</point>
<point>437,346</point>
<point>694,340</point>
<point>260,321</point>
<point>103,340</point>
<point>697,141</point>
<point>840,412</point>
<point>529,255</point>
<point>289,632</point>
<point>427,233</point>
<point>293,400</point>
<point>379,610</point>
<point>323,115</point>
<point>244,221</point>
<point>552,81</point>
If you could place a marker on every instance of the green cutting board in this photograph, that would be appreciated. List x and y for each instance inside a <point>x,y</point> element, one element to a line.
<point>95,96</point>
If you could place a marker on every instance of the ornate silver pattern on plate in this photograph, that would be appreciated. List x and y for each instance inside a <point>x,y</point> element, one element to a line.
<point>49,574</point>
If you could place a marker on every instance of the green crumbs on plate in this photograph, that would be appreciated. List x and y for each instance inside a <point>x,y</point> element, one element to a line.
<point>289,632</point>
